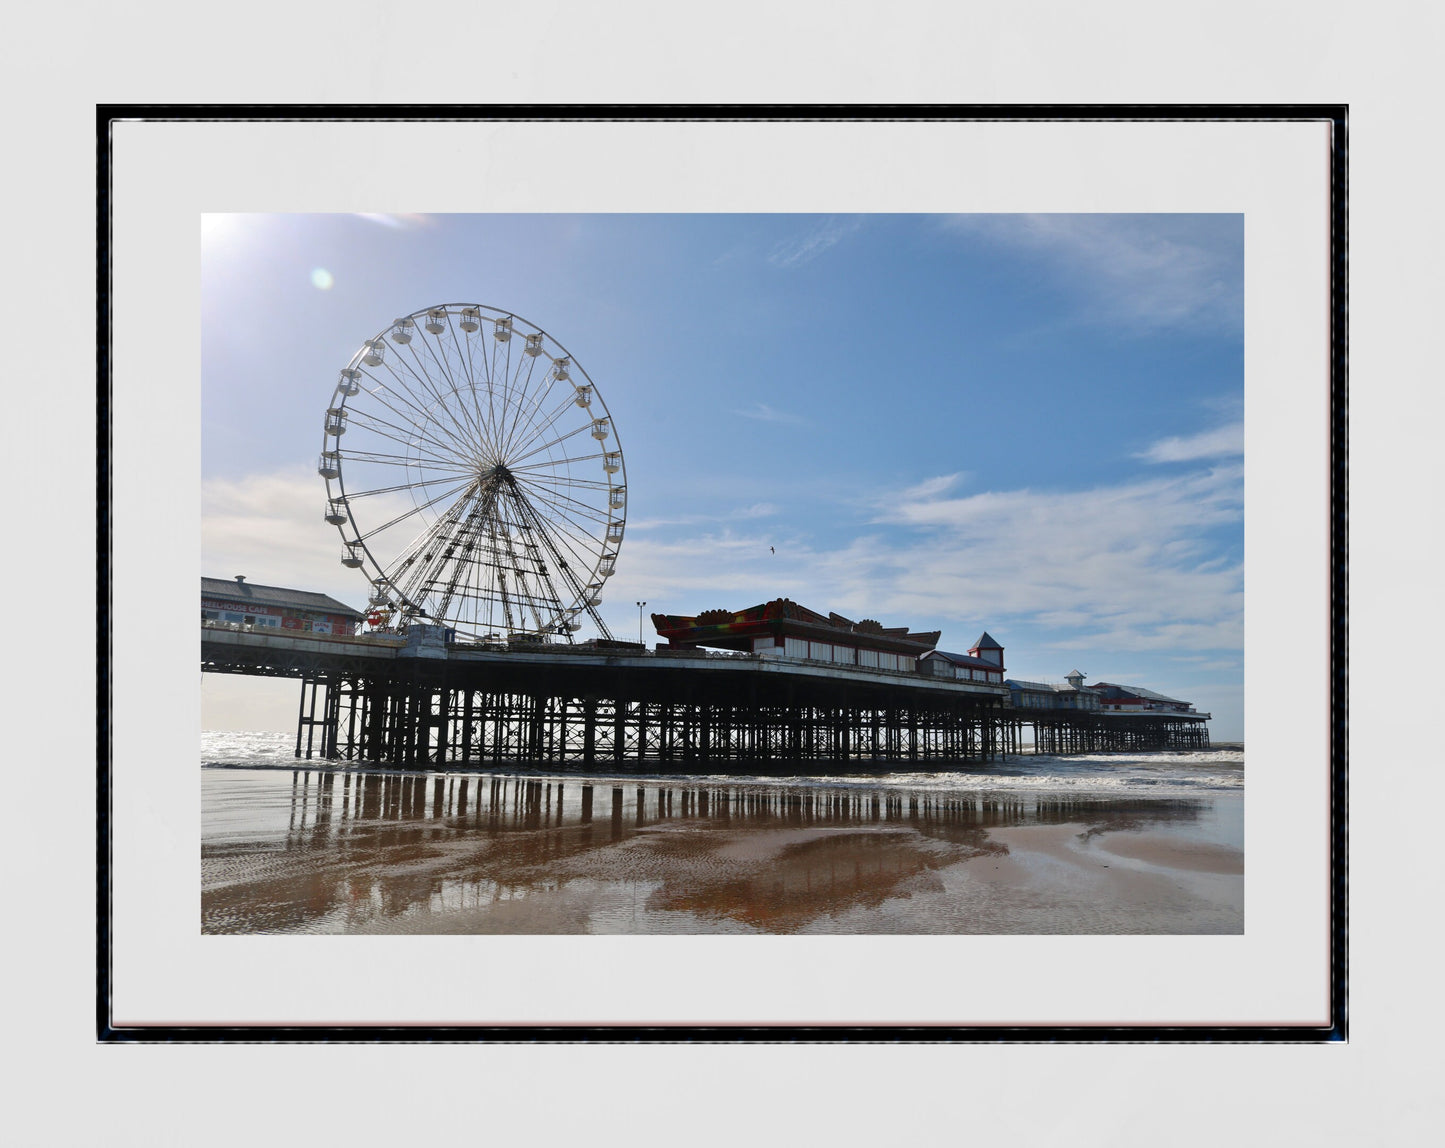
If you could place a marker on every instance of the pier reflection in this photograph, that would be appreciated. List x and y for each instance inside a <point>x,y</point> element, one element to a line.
<point>347,851</point>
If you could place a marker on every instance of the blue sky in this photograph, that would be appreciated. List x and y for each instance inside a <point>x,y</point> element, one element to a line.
<point>1025,424</point>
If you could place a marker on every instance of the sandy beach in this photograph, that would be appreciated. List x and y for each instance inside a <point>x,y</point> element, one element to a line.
<point>327,852</point>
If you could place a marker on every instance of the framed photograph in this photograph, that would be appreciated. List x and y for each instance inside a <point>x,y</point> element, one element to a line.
<point>887,563</point>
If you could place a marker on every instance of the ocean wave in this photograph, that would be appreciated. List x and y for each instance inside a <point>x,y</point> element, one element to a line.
<point>237,747</point>
<point>1164,774</point>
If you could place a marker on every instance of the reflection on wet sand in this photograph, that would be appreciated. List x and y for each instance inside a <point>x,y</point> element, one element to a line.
<point>793,882</point>
<point>361,851</point>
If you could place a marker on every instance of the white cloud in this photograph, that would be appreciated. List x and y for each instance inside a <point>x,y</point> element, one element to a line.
<point>269,528</point>
<point>1218,443</point>
<point>763,413</point>
<point>1142,271</point>
<point>1117,569</point>
<point>1124,568</point>
<point>1125,561</point>
<point>802,249</point>
<point>932,488</point>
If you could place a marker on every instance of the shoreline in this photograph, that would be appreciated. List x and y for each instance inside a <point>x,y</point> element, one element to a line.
<point>759,770</point>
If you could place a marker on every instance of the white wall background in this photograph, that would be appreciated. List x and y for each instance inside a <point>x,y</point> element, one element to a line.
<point>1381,1088</point>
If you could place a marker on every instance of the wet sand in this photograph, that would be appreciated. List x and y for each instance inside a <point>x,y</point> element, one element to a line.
<point>432,855</point>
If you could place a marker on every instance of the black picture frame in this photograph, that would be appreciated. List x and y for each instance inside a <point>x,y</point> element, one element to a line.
<point>1335,1029</point>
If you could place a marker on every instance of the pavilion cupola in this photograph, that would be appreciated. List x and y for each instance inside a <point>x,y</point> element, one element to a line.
<point>987,649</point>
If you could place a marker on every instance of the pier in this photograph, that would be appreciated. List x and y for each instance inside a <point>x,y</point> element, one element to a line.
<point>1071,732</point>
<point>419,702</point>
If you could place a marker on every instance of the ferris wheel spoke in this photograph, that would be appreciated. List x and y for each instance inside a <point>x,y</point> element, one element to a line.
<point>422,462</point>
<point>499,395</point>
<point>411,360</point>
<point>454,388</point>
<point>565,568</point>
<point>556,545</point>
<point>577,545</point>
<point>436,533</point>
<point>557,499</point>
<point>520,386</point>
<point>419,377</point>
<point>352,496</point>
<point>466,365</point>
<point>427,415</point>
<point>410,438</point>
<point>505,351</point>
<point>481,391</point>
<point>420,419</point>
<point>548,445</point>
<point>563,503</point>
<point>583,517</point>
<point>464,360</point>
<point>544,595</point>
<point>489,380</point>
<point>415,510</point>
<point>562,483</point>
<point>582,539</point>
<point>483,422</point>
<point>537,430</point>
<point>583,559</point>
<point>397,389</point>
<point>487,419</point>
<point>529,403</point>
<point>464,356</point>
<point>548,464</point>
<point>568,401</point>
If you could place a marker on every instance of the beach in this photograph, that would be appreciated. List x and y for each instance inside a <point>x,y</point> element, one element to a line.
<point>1142,845</point>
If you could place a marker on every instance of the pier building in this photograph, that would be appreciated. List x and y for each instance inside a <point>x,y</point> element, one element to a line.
<point>783,629</point>
<point>1115,698</point>
<point>982,663</point>
<point>1071,694</point>
<point>1070,717</point>
<point>241,603</point>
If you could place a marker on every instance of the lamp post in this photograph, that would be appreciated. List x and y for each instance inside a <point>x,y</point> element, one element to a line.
<point>640,642</point>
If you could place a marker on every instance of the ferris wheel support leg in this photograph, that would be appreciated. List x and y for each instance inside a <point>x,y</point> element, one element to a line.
<point>599,623</point>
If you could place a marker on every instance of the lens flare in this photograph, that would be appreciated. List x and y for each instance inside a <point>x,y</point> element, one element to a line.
<point>321,279</point>
<point>219,227</point>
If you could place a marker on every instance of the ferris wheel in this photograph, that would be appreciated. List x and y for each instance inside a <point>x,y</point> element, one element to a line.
<point>475,476</point>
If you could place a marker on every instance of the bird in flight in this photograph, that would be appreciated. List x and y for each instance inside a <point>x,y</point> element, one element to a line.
<point>771,550</point>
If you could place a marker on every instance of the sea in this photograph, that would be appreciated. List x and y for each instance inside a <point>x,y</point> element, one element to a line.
<point>1087,844</point>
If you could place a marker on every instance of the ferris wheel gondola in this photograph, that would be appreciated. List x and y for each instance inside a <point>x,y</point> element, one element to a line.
<point>476,479</point>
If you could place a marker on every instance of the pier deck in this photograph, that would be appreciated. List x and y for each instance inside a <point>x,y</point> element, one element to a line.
<point>423,703</point>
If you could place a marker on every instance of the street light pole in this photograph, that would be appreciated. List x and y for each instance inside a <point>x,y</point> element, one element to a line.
<point>640,642</point>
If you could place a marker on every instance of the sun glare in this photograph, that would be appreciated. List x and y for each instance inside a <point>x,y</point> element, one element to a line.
<point>215,226</point>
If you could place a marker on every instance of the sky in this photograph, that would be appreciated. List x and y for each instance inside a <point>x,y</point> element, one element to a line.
<point>1025,424</point>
